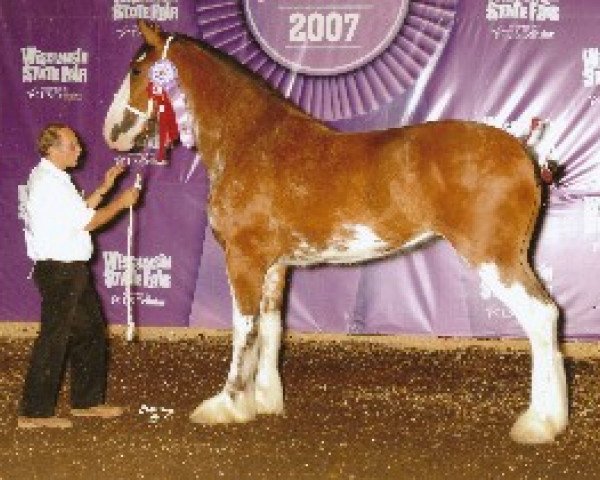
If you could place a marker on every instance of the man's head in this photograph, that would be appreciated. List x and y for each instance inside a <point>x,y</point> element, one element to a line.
<point>59,144</point>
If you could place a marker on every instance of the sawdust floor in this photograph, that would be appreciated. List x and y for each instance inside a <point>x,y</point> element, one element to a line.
<point>353,411</point>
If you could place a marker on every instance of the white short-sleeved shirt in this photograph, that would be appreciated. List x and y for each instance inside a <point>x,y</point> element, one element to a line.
<point>56,216</point>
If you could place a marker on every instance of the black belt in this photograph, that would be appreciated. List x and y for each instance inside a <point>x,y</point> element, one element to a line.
<point>61,262</point>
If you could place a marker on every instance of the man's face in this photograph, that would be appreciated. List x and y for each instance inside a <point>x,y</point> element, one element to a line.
<point>67,150</point>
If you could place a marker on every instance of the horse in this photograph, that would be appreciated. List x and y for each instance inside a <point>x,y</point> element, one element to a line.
<point>288,191</point>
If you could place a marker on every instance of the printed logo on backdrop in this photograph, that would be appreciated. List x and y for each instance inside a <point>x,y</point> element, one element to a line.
<point>54,75</point>
<point>591,220</point>
<point>335,59</point>
<point>590,72</point>
<point>143,158</point>
<point>151,10</point>
<point>496,310</point>
<point>22,196</point>
<point>590,75</point>
<point>591,67</point>
<point>523,19</point>
<point>152,274</point>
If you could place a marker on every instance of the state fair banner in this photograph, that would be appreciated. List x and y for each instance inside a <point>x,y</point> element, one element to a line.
<point>355,65</point>
<point>63,61</point>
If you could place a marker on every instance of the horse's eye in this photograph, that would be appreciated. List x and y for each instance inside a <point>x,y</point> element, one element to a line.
<point>135,71</point>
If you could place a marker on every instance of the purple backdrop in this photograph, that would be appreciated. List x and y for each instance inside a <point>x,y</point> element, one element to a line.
<point>499,61</point>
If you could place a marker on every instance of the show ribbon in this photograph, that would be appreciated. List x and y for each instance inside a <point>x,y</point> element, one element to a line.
<point>165,116</point>
<point>166,96</point>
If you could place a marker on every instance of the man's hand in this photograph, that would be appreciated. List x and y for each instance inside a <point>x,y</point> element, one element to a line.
<point>128,198</point>
<point>109,180</point>
<point>110,177</point>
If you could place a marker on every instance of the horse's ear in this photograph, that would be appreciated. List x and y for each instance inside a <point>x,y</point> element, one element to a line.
<point>151,33</point>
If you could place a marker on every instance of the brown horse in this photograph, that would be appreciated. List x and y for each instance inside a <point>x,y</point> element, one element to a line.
<point>286,190</point>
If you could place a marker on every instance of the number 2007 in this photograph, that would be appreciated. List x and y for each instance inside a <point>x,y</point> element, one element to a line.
<point>317,27</point>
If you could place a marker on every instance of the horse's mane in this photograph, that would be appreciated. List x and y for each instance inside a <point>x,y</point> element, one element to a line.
<point>242,71</point>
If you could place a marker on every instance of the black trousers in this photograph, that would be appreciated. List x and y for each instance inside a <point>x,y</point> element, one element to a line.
<point>72,331</point>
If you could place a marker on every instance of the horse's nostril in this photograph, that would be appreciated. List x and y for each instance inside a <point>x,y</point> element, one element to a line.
<point>114,133</point>
<point>151,127</point>
<point>140,140</point>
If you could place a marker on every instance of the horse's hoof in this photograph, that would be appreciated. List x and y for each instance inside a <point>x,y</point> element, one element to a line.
<point>269,398</point>
<point>225,408</point>
<point>532,428</point>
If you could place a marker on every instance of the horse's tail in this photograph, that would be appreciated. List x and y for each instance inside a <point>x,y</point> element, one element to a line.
<point>549,171</point>
<point>552,172</point>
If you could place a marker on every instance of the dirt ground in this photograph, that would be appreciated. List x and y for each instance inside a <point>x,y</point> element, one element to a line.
<point>354,410</point>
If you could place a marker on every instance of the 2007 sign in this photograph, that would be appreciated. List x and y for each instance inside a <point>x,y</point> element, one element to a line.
<point>319,27</point>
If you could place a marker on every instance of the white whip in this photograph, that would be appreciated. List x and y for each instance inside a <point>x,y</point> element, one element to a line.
<point>129,275</point>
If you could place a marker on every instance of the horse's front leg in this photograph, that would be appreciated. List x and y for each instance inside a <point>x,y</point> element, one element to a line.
<point>235,402</point>
<point>269,390</point>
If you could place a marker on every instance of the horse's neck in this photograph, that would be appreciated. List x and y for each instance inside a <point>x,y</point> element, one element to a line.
<point>214,91</point>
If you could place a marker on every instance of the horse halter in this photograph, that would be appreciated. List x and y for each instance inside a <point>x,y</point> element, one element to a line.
<point>164,93</point>
<point>146,115</point>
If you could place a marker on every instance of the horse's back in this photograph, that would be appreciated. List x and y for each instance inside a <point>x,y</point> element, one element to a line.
<point>481,186</point>
<point>471,183</point>
<point>455,143</point>
<point>455,158</point>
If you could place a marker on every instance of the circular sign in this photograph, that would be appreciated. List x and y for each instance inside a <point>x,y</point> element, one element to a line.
<point>334,59</point>
<point>324,38</point>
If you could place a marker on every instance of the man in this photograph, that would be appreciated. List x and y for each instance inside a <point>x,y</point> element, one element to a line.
<point>57,234</point>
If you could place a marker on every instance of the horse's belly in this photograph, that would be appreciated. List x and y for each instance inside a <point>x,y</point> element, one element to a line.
<point>357,243</point>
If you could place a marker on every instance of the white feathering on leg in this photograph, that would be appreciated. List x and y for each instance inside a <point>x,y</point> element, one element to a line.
<point>547,413</point>
<point>269,390</point>
<point>233,404</point>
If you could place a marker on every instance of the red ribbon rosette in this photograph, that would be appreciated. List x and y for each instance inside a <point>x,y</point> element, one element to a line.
<point>161,74</point>
<point>165,117</point>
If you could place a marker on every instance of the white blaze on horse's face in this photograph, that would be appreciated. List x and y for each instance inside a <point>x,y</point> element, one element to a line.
<point>123,124</point>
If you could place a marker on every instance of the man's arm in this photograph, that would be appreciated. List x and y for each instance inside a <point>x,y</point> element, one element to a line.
<point>96,197</point>
<point>105,214</point>
<point>109,180</point>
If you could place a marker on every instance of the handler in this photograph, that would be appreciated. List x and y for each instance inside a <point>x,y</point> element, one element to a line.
<point>57,234</point>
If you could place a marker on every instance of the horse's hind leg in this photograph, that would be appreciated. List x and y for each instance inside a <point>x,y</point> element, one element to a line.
<point>537,314</point>
<point>269,391</point>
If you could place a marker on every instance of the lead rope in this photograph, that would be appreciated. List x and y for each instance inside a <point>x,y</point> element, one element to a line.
<point>129,276</point>
<point>138,184</point>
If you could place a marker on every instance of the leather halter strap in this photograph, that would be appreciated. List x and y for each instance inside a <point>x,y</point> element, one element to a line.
<point>146,115</point>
